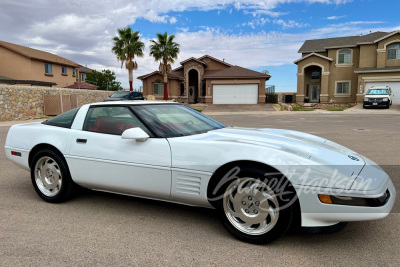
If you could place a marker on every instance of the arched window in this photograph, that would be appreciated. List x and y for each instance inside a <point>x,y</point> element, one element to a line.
<point>344,56</point>
<point>393,51</point>
<point>158,88</point>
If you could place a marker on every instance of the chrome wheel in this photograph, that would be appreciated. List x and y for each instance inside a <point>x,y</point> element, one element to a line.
<point>48,176</point>
<point>251,206</point>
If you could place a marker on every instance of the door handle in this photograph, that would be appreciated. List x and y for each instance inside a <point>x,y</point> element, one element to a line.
<point>83,141</point>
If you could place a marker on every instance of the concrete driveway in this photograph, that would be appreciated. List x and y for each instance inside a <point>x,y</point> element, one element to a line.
<point>394,109</point>
<point>110,230</point>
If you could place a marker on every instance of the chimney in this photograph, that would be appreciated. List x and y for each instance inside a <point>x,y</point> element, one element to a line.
<point>223,59</point>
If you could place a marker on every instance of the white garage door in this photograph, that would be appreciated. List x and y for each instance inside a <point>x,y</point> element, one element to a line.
<point>395,89</point>
<point>235,94</point>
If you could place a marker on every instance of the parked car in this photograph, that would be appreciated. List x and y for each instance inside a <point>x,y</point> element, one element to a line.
<point>261,181</point>
<point>378,96</point>
<point>125,95</point>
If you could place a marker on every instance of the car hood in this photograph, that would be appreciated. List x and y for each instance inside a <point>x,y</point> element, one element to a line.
<point>376,96</point>
<point>305,153</point>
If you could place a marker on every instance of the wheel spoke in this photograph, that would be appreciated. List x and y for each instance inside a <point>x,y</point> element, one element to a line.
<point>252,202</point>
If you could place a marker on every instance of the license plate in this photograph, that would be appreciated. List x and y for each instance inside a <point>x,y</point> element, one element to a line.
<point>374,104</point>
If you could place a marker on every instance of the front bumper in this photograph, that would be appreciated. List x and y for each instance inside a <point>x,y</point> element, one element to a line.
<point>376,104</point>
<point>314,213</point>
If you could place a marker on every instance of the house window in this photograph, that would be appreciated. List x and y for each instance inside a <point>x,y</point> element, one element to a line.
<point>83,77</point>
<point>73,71</point>
<point>343,88</point>
<point>394,51</point>
<point>48,68</point>
<point>64,70</point>
<point>158,88</point>
<point>315,75</point>
<point>344,57</point>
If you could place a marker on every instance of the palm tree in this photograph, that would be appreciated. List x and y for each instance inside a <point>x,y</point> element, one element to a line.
<point>126,46</point>
<point>165,50</point>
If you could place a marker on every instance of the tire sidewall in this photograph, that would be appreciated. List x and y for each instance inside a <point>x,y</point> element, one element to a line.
<point>66,178</point>
<point>285,215</point>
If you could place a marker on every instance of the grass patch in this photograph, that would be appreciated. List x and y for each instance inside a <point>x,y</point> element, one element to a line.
<point>198,110</point>
<point>302,109</point>
<point>338,108</point>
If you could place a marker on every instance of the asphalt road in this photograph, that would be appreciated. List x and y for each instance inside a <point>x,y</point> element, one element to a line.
<point>104,229</point>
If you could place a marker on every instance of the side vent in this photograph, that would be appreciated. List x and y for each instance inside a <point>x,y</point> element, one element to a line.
<point>188,185</point>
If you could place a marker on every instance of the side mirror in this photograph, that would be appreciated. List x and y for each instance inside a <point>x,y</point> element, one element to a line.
<point>135,133</point>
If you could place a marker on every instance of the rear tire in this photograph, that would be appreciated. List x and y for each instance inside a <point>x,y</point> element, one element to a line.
<point>253,207</point>
<point>50,176</point>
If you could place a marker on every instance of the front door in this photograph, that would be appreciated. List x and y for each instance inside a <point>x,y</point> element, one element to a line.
<point>192,94</point>
<point>314,93</point>
<point>100,159</point>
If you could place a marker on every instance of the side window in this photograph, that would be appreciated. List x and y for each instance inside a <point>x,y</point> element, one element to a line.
<point>111,120</point>
<point>64,120</point>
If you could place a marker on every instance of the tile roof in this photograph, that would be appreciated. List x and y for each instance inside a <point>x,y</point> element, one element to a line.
<point>216,59</point>
<point>83,85</point>
<point>320,45</point>
<point>38,54</point>
<point>310,55</point>
<point>85,70</point>
<point>172,75</point>
<point>230,72</point>
<point>194,59</point>
<point>235,72</point>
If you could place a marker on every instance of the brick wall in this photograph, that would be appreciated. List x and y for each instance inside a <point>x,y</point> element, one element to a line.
<point>27,101</point>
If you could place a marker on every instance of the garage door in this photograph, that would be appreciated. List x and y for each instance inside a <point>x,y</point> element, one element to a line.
<point>235,94</point>
<point>395,89</point>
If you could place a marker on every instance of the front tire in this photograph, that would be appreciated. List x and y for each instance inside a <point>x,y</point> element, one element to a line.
<point>253,207</point>
<point>50,176</point>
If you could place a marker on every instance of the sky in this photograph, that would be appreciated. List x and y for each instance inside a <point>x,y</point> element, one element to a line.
<point>255,34</point>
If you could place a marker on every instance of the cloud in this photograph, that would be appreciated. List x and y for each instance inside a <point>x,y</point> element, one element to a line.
<point>256,22</point>
<point>335,17</point>
<point>70,29</point>
<point>290,24</point>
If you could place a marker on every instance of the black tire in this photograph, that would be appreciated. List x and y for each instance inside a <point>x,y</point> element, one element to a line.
<point>57,174</point>
<point>279,225</point>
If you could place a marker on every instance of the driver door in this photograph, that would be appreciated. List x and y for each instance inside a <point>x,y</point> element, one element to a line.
<point>101,160</point>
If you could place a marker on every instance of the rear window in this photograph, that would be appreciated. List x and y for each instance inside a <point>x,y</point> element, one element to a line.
<point>64,120</point>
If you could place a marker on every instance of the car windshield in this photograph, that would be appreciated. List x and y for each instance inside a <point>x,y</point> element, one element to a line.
<point>377,92</point>
<point>121,94</point>
<point>175,120</point>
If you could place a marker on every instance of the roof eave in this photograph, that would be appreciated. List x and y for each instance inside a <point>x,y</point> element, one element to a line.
<point>376,71</point>
<point>386,36</point>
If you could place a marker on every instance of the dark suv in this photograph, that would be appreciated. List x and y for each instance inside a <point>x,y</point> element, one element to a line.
<point>125,95</point>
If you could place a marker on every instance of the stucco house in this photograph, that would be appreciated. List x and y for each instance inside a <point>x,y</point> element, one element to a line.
<point>208,80</point>
<point>342,69</point>
<point>24,63</point>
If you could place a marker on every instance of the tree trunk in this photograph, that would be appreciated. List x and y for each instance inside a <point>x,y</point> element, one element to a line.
<point>130,70</point>
<point>165,85</point>
<point>165,91</point>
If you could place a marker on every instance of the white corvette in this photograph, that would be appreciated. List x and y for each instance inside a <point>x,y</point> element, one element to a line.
<point>261,181</point>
